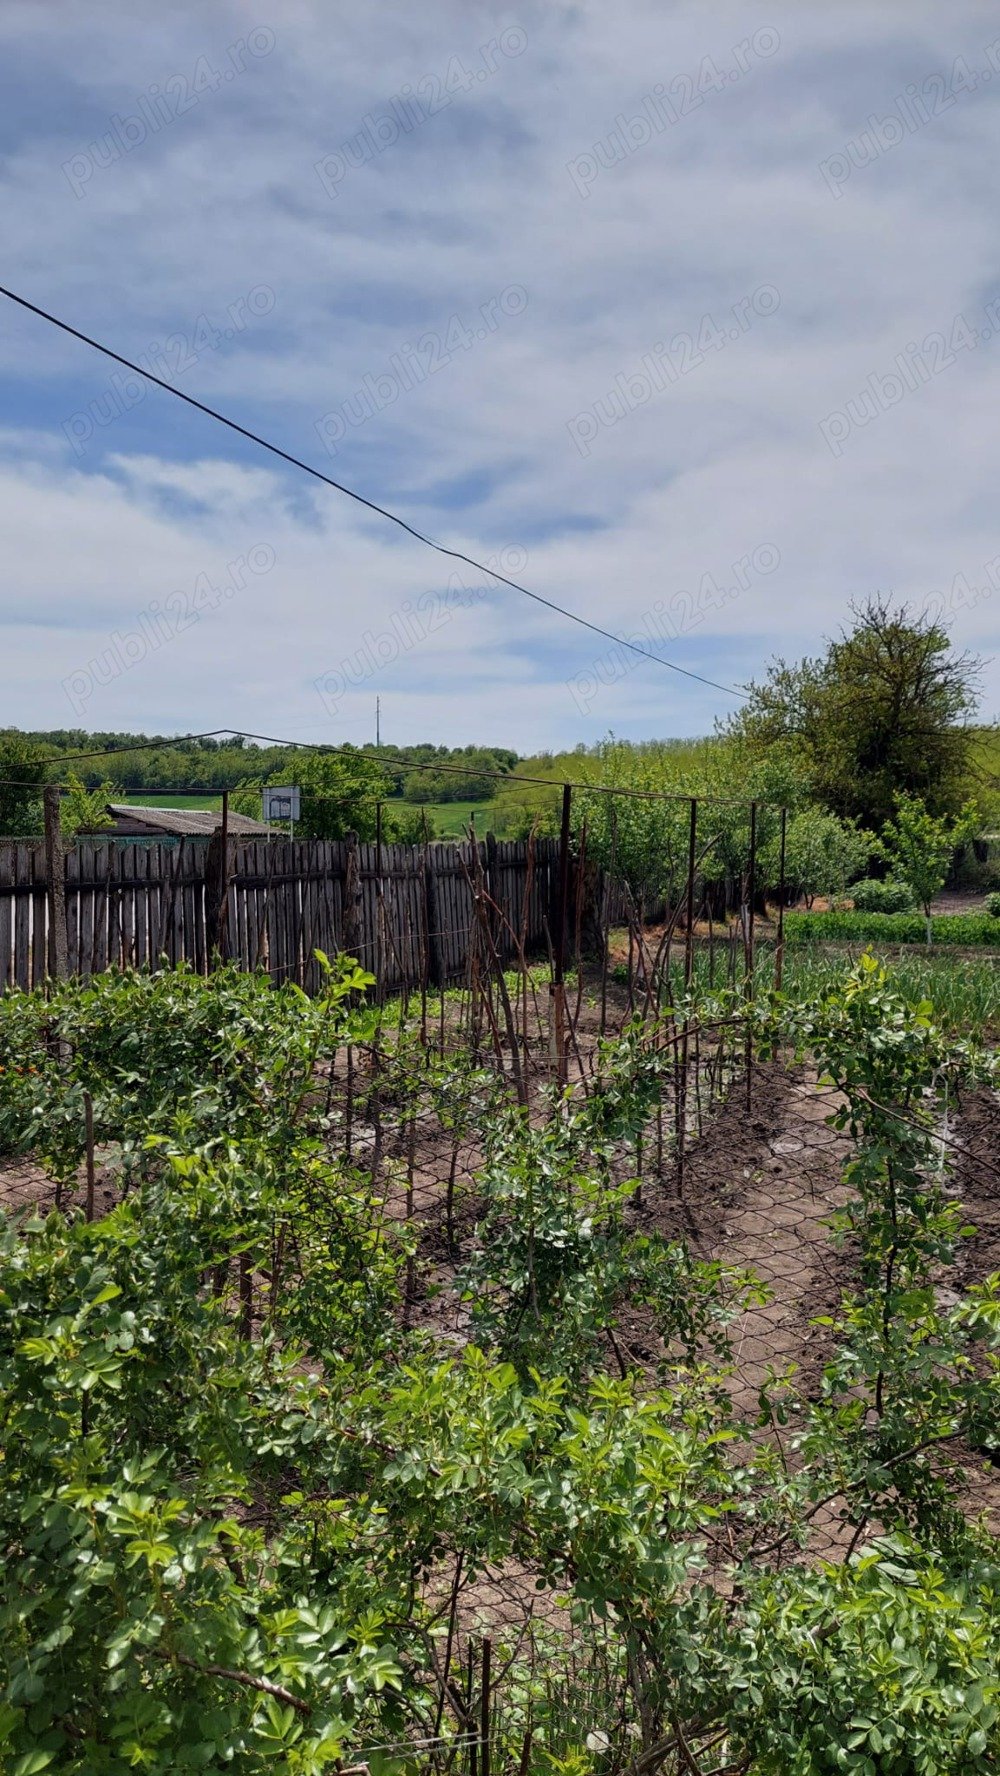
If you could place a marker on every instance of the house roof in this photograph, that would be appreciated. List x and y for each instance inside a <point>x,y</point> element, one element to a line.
<point>187,822</point>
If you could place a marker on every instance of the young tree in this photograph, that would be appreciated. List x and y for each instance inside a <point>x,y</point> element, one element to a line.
<point>919,846</point>
<point>340,793</point>
<point>822,853</point>
<point>86,810</point>
<point>885,709</point>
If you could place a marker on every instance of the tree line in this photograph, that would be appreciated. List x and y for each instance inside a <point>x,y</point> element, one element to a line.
<point>340,791</point>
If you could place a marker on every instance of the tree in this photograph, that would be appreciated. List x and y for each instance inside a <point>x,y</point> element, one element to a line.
<point>885,709</point>
<point>340,793</point>
<point>919,847</point>
<point>822,853</point>
<point>86,810</point>
<point>24,769</point>
<point>408,826</point>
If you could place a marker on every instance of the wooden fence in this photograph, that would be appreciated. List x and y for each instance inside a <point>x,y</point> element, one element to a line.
<point>407,912</point>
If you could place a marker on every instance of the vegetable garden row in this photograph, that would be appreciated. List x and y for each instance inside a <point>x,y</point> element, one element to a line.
<point>376,1392</point>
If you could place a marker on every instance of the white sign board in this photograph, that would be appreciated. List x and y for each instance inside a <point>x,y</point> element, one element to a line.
<point>281,804</point>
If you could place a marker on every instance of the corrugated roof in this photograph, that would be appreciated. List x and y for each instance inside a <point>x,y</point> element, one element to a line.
<point>188,822</point>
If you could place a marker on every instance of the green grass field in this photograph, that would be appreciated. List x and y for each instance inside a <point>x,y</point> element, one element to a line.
<point>173,801</point>
<point>450,820</point>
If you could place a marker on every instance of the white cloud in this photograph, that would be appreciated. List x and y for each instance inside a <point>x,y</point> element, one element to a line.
<point>225,200</point>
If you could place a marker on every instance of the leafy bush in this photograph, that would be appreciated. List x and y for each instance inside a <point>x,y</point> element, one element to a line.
<point>993,905</point>
<point>870,896</point>
<point>891,928</point>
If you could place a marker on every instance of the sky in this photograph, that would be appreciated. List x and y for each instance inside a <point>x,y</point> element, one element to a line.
<point>687,318</point>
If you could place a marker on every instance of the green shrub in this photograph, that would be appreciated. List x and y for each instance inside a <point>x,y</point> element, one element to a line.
<point>891,928</point>
<point>993,905</point>
<point>870,896</point>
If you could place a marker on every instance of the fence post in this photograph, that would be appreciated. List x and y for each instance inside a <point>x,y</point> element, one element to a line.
<point>485,1699</point>
<point>682,1095</point>
<point>435,970</point>
<point>748,955</point>
<point>217,887</point>
<point>351,944</point>
<point>557,990</point>
<point>689,909</point>
<point>779,953</point>
<point>88,1114</point>
<point>380,946</point>
<point>55,870</point>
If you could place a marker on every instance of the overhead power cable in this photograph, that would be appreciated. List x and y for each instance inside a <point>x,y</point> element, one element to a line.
<point>361,499</point>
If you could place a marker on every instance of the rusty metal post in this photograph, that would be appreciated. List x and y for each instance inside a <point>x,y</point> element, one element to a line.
<point>557,990</point>
<point>748,983</point>
<point>682,1092</point>
<point>779,953</point>
<point>379,912</point>
<point>689,913</point>
<point>609,878</point>
<point>485,1700</point>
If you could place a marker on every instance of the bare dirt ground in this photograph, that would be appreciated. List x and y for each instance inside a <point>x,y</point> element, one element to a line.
<point>976,1156</point>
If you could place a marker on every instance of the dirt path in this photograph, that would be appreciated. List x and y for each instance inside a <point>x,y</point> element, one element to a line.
<point>976,1157</point>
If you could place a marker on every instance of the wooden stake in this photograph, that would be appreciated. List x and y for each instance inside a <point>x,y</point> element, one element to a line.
<point>88,1111</point>
<point>55,870</point>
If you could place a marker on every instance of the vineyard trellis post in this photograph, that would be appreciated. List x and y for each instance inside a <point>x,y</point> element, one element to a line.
<point>779,950</point>
<point>748,984</point>
<point>88,1113</point>
<point>558,986</point>
<point>485,1701</point>
<point>682,1083</point>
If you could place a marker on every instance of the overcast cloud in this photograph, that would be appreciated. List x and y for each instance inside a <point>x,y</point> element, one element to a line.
<point>689,317</point>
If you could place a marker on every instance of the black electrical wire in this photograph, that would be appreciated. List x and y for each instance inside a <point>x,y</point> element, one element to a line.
<point>371,505</point>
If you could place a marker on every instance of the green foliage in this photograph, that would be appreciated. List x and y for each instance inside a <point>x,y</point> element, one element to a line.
<point>230,1054</point>
<point>646,839</point>
<point>469,778</point>
<point>408,826</point>
<point>822,854</point>
<point>230,1527</point>
<point>339,794</point>
<point>555,1263</point>
<point>884,710</point>
<point>85,810</point>
<point>993,905</point>
<point>24,771</point>
<point>872,896</point>
<point>217,764</point>
<point>892,928</point>
<point>920,845</point>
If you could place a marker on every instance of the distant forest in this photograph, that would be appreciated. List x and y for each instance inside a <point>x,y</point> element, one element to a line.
<point>158,765</point>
